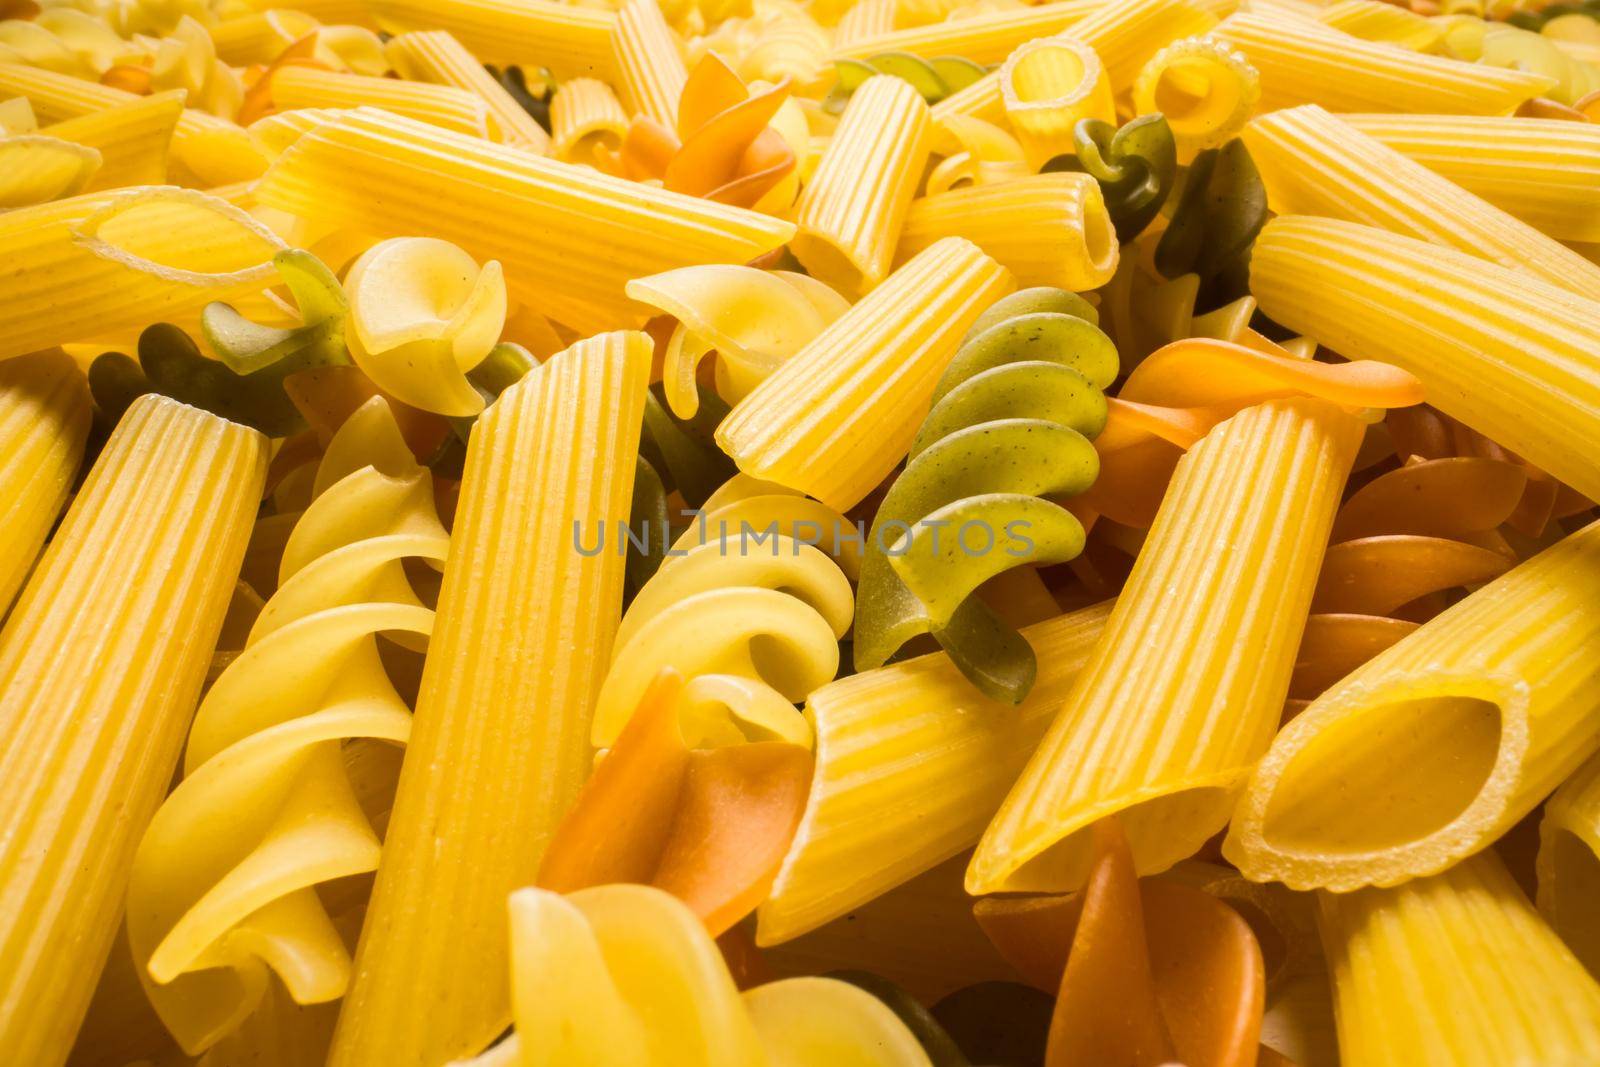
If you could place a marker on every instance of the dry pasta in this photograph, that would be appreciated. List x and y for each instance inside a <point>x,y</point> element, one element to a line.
<point>587,124</point>
<point>573,41</point>
<point>435,56</point>
<point>649,61</point>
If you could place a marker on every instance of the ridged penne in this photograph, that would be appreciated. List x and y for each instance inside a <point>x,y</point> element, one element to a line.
<point>1484,981</point>
<point>587,123</point>
<point>851,210</point>
<point>866,19</point>
<point>1373,20</point>
<point>101,662</point>
<point>1314,164</point>
<point>1546,172</point>
<point>649,60</point>
<point>132,139</point>
<point>1047,86</point>
<point>1506,354</point>
<point>1439,743</point>
<point>435,56</point>
<point>983,38</point>
<point>1164,721</point>
<point>36,169</point>
<point>489,198</point>
<point>44,421</point>
<point>573,41</point>
<point>440,105</point>
<point>500,740</point>
<point>1123,35</point>
<point>102,264</point>
<point>833,421</point>
<point>911,763</point>
<point>1569,863</point>
<point>1046,229</point>
<point>1303,62</point>
<point>1206,90</point>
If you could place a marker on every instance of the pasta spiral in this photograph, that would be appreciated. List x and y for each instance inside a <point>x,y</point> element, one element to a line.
<point>223,884</point>
<point>1011,423</point>
<point>748,608</point>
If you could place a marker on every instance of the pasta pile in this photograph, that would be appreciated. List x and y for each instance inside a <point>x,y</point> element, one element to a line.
<point>799,533</point>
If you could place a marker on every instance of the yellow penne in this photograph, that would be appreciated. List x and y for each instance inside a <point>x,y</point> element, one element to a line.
<point>587,123</point>
<point>851,210</point>
<point>44,420</point>
<point>1164,721</point>
<point>1546,172</point>
<point>1314,164</point>
<point>500,740</point>
<point>1124,36</point>
<point>1484,981</point>
<point>132,139</point>
<point>35,169</point>
<point>1569,863</point>
<point>911,763</point>
<point>573,41</point>
<point>435,56</point>
<point>212,150</point>
<point>100,666</point>
<point>1047,86</point>
<point>983,38</point>
<point>834,420</point>
<point>866,19</point>
<point>440,105</point>
<point>1206,90</point>
<point>259,36</point>
<point>103,264</point>
<point>1373,20</point>
<point>332,12</point>
<point>1436,746</point>
<point>491,199</point>
<point>1046,229</point>
<point>1505,353</point>
<point>1304,62</point>
<point>649,61</point>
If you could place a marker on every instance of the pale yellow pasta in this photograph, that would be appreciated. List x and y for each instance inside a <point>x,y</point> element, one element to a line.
<point>500,740</point>
<point>1509,355</point>
<point>983,38</point>
<point>1374,20</point>
<point>35,169</point>
<point>864,20</point>
<point>283,128</point>
<point>1484,982</point>
<point>834,420</point>
<point>1303,62</point>
<point>102,264</point>
<point>1312,163</point>
<point>1164,721</point>
<point>1206,90</point>
<point>440,105</point>
<point>16,116</point>
<point>1546,172</point>
<point>101,662</point>
<point>912,761</point>
<point>1435,747</point>
<point>573,41</point>
<point>975,153</point>
<point>788,45</point>
<point>133,139</point>
<point>1046,229</point>
<point>44,421</point>
<point>332,12</point>
<point>587,123</point>
<point>596,233</point>
<point>435,56</point>
<point>1123,35</point>
<point>851,210</point>
<point>649,60</point>
<point>259,36</point>
<point>1569,863</point>
<point>1047,86</point>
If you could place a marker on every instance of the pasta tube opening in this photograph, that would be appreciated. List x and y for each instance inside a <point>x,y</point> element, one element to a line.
<point>137,231</point>
<point>1206,90</point>
<point>1048,85</point>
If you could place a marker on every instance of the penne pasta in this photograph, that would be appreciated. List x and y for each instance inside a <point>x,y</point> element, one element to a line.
<point>101,662</point>
<point>911,763</point>
<point>572,41</point>
<point>1046,229</point>
<point>1468,722</point>
<point>1569,863</point>
<point>1163,723</point>
<point>105,264</point>
<point>1373,20</point>
<point>1206,90</point>
<point>440,105</point>
<point>1506,354</point>
<point>133,139</point>
<point>1303,62</point>
<point>1049,85</point>
<point>500,739</point>
<point>866,19</point>
<point>1484,981</point>
<point>37,170</point>
<point>1546,172</point>
<point>983,38</point>
<point>1314,164</point>
<point>834,420</point>
<point>851,210</point>
<point>587,124</point>
<point>44,421</point>
<point>649,62</point>
<point>435,56</point>
<point>489,198</point>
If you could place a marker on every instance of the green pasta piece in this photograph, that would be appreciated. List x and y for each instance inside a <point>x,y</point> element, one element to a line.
<point>914,71</point>
<point>1136,167</point>
<point>684,451</point>
<point>941,1048</point>
<point>957,72</point>
<point>515,82</point>
<point>1011,422</point>
<point>1219,212</point>
<point>502,368</point>
<point>247,347</point>
<point>648,519</point>
<point>934,78</point>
